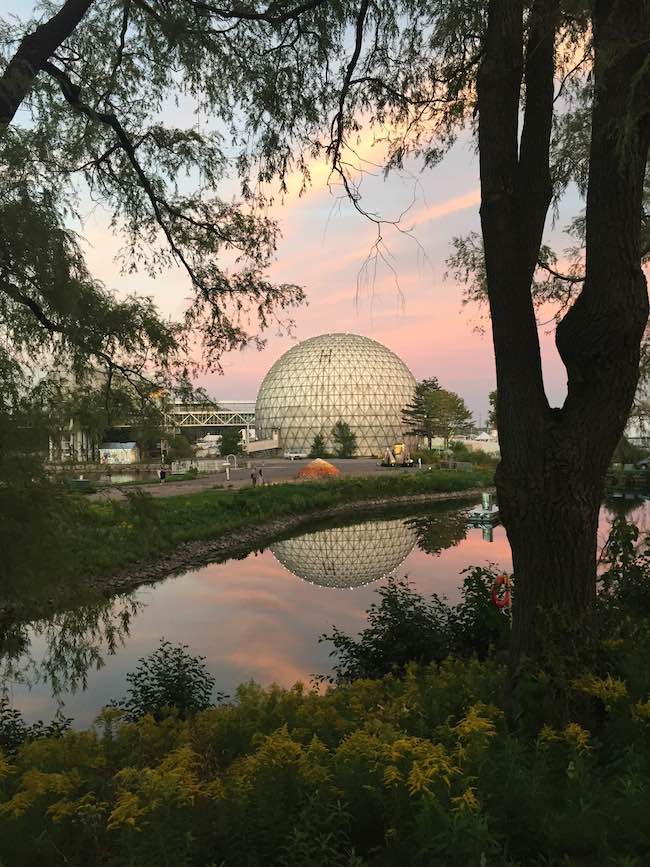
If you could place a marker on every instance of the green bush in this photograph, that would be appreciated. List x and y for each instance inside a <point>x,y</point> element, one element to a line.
<point>169,678</point>
<point>14,731</point>
<point>404,627</point>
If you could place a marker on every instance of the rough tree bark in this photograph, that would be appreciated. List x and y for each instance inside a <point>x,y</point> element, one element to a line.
<point>551,477</point>
<point>18,78</point>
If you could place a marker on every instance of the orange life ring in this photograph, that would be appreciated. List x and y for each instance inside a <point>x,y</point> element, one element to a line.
<point>502,601</point>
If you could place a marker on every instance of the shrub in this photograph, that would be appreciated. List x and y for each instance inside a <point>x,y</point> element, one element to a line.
<point>169,678</point>
<point>404,627</point>
<point>14,731</point>
<point>318,449</point>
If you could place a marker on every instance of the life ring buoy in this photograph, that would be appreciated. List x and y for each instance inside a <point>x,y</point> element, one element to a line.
<point>503,600</point>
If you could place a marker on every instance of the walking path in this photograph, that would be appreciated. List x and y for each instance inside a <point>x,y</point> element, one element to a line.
<point>274,471</point>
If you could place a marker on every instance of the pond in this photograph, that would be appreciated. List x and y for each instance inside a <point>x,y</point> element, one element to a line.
<point>258,617</point>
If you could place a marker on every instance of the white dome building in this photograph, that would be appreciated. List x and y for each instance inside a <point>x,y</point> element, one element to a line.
<point>348,556</point>
<point>330,378</point>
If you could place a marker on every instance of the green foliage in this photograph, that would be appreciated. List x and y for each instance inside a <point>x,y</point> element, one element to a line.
<point>491,420</point>
<point>318,449</point>
<point>417,416</point>
<point>169,678</point>
<point>179,448</point>
<point>404,627</point>
<point>479,457</point>
<point>448,414</point>
<point>230,442</point>
<point>627,453</point>
<point>14,732</point>
<point>344,439</point>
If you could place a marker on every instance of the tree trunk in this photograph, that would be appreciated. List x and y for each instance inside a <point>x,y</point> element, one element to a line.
<point>551,476</point>
<point>18,78</point>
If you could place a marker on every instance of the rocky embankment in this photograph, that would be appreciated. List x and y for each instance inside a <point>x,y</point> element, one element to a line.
<point>234,543</point>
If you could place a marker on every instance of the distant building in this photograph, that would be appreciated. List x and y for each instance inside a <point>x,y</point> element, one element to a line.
<point>208,446</point>
<point>73,444</point>
<point>119,453</point>
<point>637,430</point>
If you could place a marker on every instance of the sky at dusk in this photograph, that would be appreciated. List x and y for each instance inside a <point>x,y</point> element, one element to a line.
<point>325,242</point>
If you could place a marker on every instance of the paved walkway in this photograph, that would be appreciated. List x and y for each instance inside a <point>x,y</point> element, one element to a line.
<point>273,470</point>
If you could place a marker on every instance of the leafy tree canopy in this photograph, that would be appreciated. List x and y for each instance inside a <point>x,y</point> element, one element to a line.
<point>448,413</point>
<point>230,442</point>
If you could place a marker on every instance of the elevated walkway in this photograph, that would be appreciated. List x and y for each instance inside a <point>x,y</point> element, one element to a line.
<point>263,445</point>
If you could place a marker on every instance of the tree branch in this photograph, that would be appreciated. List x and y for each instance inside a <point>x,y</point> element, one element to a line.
<point>337,126</point>
<point>568,278</point>
<point>268,17</point>
<point>72,94</point>
<point>18,78</point>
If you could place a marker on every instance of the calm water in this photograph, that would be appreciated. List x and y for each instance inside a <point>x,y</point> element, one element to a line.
<point>255,618</point>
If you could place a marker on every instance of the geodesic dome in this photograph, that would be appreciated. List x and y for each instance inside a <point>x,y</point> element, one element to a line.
<point>330,378</point>
<point>347,556</point>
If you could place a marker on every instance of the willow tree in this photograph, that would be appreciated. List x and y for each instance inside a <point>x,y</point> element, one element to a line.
<point>87,96</point>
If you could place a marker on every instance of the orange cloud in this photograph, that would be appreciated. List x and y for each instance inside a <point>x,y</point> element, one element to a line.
<point>451,206</point>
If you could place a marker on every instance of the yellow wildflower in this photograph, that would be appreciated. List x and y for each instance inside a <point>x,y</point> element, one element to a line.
<point>576,736</point>
<point>466,801</point>
<point>547,736</point>
<point>641,710</point>
<point>608,689</point>
<point>478,721</point>
<point>392,776</point>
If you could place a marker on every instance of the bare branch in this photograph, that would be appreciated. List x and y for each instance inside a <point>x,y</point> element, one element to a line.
<point>568,278</point>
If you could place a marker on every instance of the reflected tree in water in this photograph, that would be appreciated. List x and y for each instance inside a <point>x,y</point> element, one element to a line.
<point>75,642</point>
<point>437,531</point>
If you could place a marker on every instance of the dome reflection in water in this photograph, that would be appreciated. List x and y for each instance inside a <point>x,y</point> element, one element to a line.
<point>348,556</point>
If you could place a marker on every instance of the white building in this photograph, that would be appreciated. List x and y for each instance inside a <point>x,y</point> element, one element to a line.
<point>119,453</point>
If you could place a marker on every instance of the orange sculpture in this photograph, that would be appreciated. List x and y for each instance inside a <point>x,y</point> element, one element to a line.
<point>319,469</point>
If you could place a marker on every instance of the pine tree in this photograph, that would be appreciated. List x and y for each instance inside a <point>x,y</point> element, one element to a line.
<point>417,415</point>
<point>318,447</point>
<point>345,440</point>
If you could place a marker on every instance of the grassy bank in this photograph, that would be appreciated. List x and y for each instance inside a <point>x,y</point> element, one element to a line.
<point>143,527</point>
<point>77,540</point>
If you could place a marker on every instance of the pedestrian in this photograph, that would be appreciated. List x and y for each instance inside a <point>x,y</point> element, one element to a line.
<point>261,475</point>
<point>254,476</point>
<point>162,474</point>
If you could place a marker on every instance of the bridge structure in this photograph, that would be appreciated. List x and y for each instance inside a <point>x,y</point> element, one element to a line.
<point>230,413</point>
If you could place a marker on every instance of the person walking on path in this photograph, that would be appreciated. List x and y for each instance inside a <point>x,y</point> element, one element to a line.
<point>254,476</point>
<point>261,476</point>
<point>162,474</point>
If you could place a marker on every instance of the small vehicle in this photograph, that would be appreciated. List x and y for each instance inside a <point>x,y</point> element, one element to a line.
<point>397,456</point>
<point>295,456</point>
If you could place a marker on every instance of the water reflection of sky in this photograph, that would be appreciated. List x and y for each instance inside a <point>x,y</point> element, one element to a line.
<point>254,619</point>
